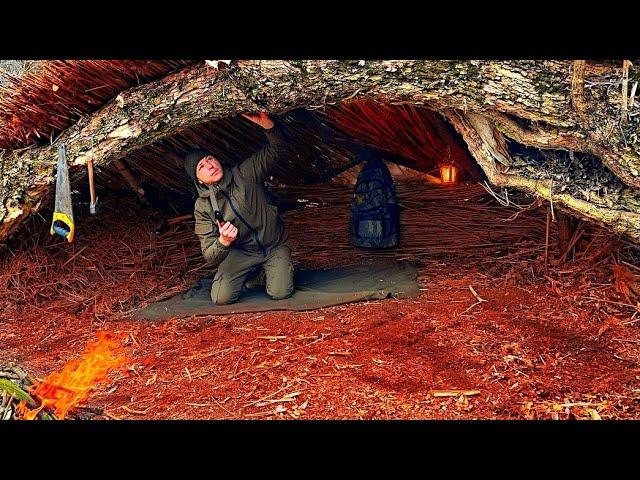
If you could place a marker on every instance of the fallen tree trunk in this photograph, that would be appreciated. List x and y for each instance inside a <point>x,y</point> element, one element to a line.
<point>475,128</point>
<point>527,101</point>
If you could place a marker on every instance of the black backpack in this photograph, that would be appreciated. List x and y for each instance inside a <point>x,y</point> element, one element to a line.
<point>374,211</point>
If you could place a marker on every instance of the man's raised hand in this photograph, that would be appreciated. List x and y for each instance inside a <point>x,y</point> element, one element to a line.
<point>260,118</point>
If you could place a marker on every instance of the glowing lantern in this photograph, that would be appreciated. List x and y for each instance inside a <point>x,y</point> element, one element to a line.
<point>448,174</point>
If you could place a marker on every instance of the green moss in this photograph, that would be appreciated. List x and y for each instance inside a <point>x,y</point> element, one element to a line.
<point>300,64</point>
<point>467,79</point>
<point>546,83</point>
<point>473,71</point>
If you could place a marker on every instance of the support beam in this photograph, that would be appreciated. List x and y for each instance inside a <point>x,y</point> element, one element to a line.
<point>130,178</point>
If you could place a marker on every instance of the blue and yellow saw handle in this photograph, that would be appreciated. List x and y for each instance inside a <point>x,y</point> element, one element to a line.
<point>61,230</point>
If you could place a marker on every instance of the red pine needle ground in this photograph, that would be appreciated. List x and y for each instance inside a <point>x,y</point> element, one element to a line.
<point>563,344</point>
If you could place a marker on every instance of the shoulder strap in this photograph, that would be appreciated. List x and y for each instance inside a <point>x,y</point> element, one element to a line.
<point>213,199</point>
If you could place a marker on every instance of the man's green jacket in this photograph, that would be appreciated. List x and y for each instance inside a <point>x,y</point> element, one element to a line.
<point>241,198</point>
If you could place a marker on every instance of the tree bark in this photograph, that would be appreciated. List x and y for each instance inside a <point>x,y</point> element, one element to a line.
<point>620,221</point>
<point>528,101</point>
<point>577,86</point>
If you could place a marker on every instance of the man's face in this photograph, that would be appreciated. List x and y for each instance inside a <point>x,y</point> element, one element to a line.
<point>209,170</point>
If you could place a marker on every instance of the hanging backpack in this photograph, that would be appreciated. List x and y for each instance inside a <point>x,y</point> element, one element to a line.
<point>374,211</point>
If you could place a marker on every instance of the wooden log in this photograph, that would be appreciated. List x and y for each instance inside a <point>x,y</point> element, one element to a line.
<point>529,101</point>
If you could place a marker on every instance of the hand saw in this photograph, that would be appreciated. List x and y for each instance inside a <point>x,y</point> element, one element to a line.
<point>62,223</point>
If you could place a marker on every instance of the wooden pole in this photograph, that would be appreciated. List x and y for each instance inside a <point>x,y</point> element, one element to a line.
<point>129,177</point>
<point>92,188</point>
<point>546,243</point>
<point>625,88</point>
<point>577,86</point>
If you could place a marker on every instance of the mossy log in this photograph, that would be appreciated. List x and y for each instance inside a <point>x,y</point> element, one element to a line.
<point>487,101</point>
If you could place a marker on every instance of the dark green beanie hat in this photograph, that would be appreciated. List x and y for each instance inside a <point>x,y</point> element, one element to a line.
<point>192,159</point>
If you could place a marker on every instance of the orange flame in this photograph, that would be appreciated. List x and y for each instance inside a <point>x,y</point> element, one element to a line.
<point>64,390</point>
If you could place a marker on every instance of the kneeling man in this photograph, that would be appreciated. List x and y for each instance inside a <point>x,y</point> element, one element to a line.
<point>240,232</point>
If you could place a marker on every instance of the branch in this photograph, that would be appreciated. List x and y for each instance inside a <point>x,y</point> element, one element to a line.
<point>620,221</point>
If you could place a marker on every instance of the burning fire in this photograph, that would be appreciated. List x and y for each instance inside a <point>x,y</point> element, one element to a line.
<point>64,390</point>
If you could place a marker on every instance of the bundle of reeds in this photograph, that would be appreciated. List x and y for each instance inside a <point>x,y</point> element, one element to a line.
<point>116,261</point>
<point>435,222</point>
<point>308,158</point>
<point>415,133</point>
<point>56,93</point>
<point>128,255</point>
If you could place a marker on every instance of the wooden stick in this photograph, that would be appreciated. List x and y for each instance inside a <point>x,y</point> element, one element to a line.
<point>74,256</point>
<point>454,393</point>
<point>268,396</point>
<point>92,188</point>
<point>129,177</point>
<point>476,303</point>
<point>135,412</point>
<point>261,414</point>
<point>577,86</point>
<point>633,95</point>
<point>625,86</point>
<point>546,244</point>
<point>475,294</point>
<point>553,215</point>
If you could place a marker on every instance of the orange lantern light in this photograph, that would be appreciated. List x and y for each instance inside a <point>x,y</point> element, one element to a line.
<point>448,174</point>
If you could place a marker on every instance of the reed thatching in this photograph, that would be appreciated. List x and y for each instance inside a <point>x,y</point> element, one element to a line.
<point>417,134</point>
<point>41,101</point>
<point>144,257</point>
